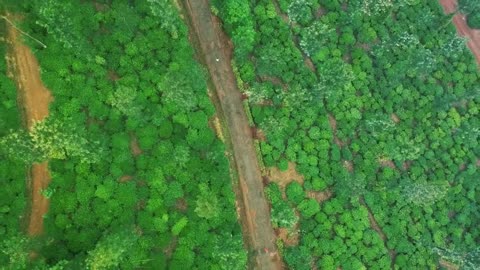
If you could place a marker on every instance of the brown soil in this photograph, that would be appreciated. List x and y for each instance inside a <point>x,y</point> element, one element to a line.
<point>395,118</point>
<point>320,196</point>
<point>34,99</point>
<point>284,178</point>
<point>448,265</point>
<point>125,178</point>
<point>113,76</point>
<point>348,165</point>
<point>134,147</point>
<point>386,163</point>
<point>274,80</point>
<point>215,53</point>
<point>181,204</point>
<point>460,22</point>
<point>376,227</point>
<point>333,125</point>
<point>216,126</point>
<point>289,238</point>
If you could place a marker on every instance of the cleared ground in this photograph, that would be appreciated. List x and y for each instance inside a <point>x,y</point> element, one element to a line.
<point>33,99</point>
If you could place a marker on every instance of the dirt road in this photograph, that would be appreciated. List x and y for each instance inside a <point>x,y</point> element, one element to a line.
<point>216,55</point>
<point>460,22</point>
<point>33,98</point>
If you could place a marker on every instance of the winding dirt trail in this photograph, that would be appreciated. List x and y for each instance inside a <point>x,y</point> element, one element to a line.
<point>216,54</point>
<point>34,99</point>
<point>460,22</point>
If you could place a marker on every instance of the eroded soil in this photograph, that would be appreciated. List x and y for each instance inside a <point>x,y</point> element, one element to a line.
<point>34,99</point>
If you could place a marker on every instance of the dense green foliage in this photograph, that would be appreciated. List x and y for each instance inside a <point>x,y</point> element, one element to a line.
<point>471,8</point>
<point>375,100</point>
<point>122,76</point>
<point>12,173</point>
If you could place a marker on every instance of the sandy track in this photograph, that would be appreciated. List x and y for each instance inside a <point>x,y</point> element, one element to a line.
<point>34,99</point>
<point>459,20</point>
<point>256,214</point>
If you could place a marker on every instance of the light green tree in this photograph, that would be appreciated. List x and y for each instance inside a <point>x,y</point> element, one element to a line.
<point>49,139</point>
<point>229,252</point>
<point>207,203</point>
<point>111,251</point>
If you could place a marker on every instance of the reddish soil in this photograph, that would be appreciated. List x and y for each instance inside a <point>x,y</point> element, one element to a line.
<point>459,20</point>
<point>320,196</point>
<point>395,118</point>
<point>333,125</point>
<point>125,178</point>
<point>215,53</point>
<point>448,265</point>
<point>34,99</point>
<point>284,178</point>
<point>134,147</point>
<point>348,165</point>
<point>289,238</point>
<point>387,163</point>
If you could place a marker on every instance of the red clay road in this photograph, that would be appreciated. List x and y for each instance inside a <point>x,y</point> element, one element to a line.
<point>34,99</point>
<point>459,20</point>
<point>216,54</point>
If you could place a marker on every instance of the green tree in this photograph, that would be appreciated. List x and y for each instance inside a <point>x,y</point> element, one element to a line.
<point>207,203</point>
<point>424,193</point>
<point>283,216</point>
<point>49,139</point>
<point>295,192</point>
<point>111,251</point>
<point>16,248</point>
<point>164,11</point>
<point>229,253</point>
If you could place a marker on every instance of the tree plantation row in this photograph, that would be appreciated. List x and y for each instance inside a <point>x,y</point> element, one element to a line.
<point>139,179</point>
<point>377,103</point>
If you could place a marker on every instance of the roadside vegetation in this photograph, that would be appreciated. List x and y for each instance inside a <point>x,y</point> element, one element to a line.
<point>471,9</point>
<point>376,102</point>
<point>12,172</point>
<point>139,179</point>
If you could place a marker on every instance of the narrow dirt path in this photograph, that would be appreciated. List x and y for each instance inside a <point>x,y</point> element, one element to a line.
<point>460,22</point>
<point>216,55</point>
<point>378,229</point>
<point>33,98</point>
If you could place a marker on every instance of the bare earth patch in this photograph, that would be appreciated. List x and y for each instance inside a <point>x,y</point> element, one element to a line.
<point>384,162</point>
<point>333,125</point>
<point>289,238</point>
<point>348,165</point>
<point>214,124</point>
<point>125,178</point>
<point>320,196</point>
<point>284,178</point>
<point>34,99</point>
<point>448,265</point>
<point>395,118</point>
<point>134,147</point>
